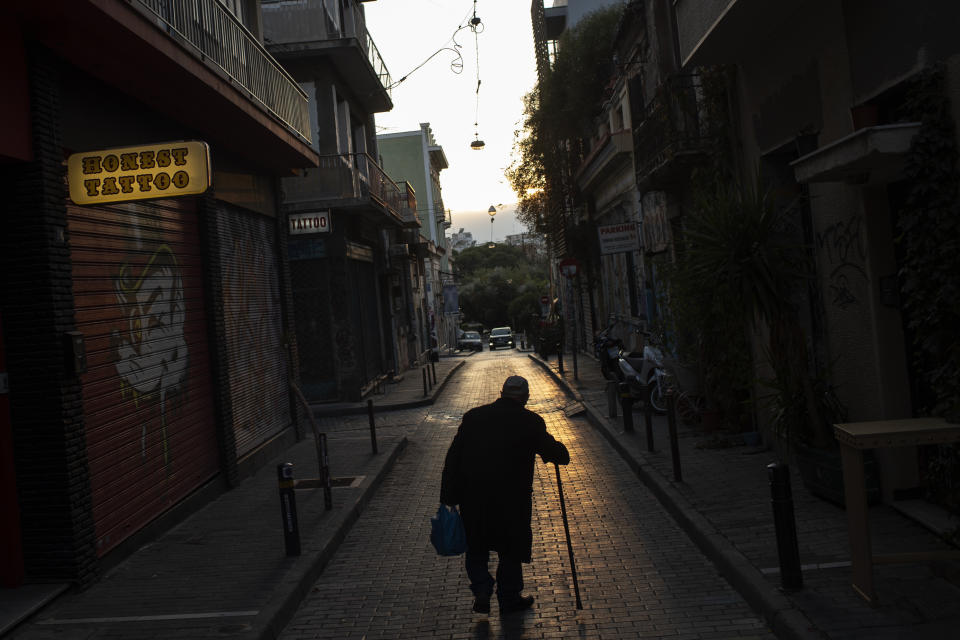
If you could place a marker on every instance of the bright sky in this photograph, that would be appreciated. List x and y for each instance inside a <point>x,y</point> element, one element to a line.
<point>406,33</point>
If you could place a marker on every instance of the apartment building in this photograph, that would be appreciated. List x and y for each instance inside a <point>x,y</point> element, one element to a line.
<point>145,308</point>
<point>347,288</point>
<point>833,103</point>
<point>416,157</point>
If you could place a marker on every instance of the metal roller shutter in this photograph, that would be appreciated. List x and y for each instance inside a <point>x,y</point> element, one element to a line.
<point>315,343</point>
<point>254,327</point>
<point>137,281</point>
<point>368,311</point>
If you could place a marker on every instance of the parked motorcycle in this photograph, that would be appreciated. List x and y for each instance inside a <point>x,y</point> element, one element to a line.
<point>607,350</point>
<point>645,375</point>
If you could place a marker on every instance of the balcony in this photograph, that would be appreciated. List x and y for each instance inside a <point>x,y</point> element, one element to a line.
<point>220,38</point>
<point>408,206</point>
<point>297,33</point>
<point>192,62</point>
<point>612,152</point>
<point>444,221</point>
<point>719,31</point>
<point>348,180</point>
<point>673,133</point>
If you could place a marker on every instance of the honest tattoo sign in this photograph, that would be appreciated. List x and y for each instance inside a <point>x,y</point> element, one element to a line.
<point>138,173</point>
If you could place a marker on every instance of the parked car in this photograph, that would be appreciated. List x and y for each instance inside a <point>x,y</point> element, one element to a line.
<point>501,337</point>
<point>470,340</point>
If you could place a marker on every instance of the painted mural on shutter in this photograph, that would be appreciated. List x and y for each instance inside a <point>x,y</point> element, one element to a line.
<point>257,362</point>
<point>137,284</point>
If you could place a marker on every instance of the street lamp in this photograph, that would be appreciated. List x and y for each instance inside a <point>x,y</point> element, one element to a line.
<point>493,212</point>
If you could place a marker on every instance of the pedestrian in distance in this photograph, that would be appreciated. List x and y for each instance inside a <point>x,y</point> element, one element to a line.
<point>488,472</point>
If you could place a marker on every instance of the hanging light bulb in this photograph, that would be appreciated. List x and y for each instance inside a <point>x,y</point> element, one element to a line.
<point>477,27</point>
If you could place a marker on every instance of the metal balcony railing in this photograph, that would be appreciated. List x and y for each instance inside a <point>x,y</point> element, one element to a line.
<point>344,177</point>
<point>673,124</point>
<point>310,21</point>
<point>219,37</point>
<point>373,54</point>
<point>408,205</point>
<point>442,216</point>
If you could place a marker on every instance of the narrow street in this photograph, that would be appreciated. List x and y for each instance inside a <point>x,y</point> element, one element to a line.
<point>639,574</point>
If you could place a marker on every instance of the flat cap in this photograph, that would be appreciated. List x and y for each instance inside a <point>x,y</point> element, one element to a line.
<point>515,387</point>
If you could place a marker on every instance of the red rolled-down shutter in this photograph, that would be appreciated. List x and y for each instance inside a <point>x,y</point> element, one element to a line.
<point>138,292</point>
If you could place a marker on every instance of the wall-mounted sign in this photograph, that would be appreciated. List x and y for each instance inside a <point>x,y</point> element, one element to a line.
<point>618,238</point>
<point>306,249</point>
<point>312,222</point>
<point>163,170</point>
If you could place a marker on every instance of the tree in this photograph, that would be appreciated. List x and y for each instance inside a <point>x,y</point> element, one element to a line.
<point>559,113</point>
<point>499,285</point>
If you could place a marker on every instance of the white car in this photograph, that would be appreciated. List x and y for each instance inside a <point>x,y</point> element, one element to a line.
<point>501,337</point>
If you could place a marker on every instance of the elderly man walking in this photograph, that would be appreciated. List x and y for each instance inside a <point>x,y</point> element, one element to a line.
<point>489,472</point>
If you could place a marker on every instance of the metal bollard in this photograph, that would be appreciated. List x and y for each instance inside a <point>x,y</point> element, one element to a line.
<point>791,576</point>
<point>648,423</point>
<point>325,480</point>
<point>674,444</point>
<point>612,394</point>
<point>288,508</point>
<point>373,427</point>
<point>424,371</point>
<point>626,405</point>
<point>560,361</point>
<point>433,372</point>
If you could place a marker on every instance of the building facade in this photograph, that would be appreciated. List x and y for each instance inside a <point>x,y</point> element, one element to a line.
<point>348,347</point>
<point>146,300</point>
<point>416,157</point>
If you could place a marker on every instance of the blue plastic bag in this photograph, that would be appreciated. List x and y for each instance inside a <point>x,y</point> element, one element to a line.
<point>446,532</point>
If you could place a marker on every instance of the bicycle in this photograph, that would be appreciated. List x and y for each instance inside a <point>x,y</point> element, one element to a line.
<point>688,407</point>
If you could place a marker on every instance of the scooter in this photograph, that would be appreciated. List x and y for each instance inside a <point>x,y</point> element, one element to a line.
<point>645,375</point>
<point>607,349</point>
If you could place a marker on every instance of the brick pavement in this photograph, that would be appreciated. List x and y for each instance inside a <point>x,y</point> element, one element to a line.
<point>227,563</point>
<point>639,574</point>
<point>724,501</point>
<point>223,572</point>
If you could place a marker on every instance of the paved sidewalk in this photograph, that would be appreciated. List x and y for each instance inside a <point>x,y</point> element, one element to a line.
<point>413,388</point>
<point>723,503</point>
<point>223,572</point>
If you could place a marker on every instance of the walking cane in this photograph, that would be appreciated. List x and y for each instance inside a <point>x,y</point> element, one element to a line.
<point>566,528</point>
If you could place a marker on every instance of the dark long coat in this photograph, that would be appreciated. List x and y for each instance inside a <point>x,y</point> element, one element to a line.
<point>489,473</point>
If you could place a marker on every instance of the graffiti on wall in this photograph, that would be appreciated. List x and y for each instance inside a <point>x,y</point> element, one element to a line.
<point>253,332</point>
<point>841,246</point>
<point>151,350</point>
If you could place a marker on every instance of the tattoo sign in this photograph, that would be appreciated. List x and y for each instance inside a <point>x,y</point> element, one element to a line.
<point>139,173</point>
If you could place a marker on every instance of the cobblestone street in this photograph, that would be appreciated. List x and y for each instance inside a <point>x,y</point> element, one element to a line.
<point>639,574</point>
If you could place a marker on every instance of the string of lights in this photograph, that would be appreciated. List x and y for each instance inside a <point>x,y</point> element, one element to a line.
<point>475,24</point>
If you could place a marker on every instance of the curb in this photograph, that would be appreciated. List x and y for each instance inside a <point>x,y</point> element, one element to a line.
<point>280,609</point>
<point>319,412</point>
<point>784,618</point>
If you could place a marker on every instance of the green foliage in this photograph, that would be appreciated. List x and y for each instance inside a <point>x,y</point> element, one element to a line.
<point>473,259</point>
<point>558,113</point>
<point>499,286</point>
<point>740,242</point>
<point>740,263</point>
<point>929,234</point>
